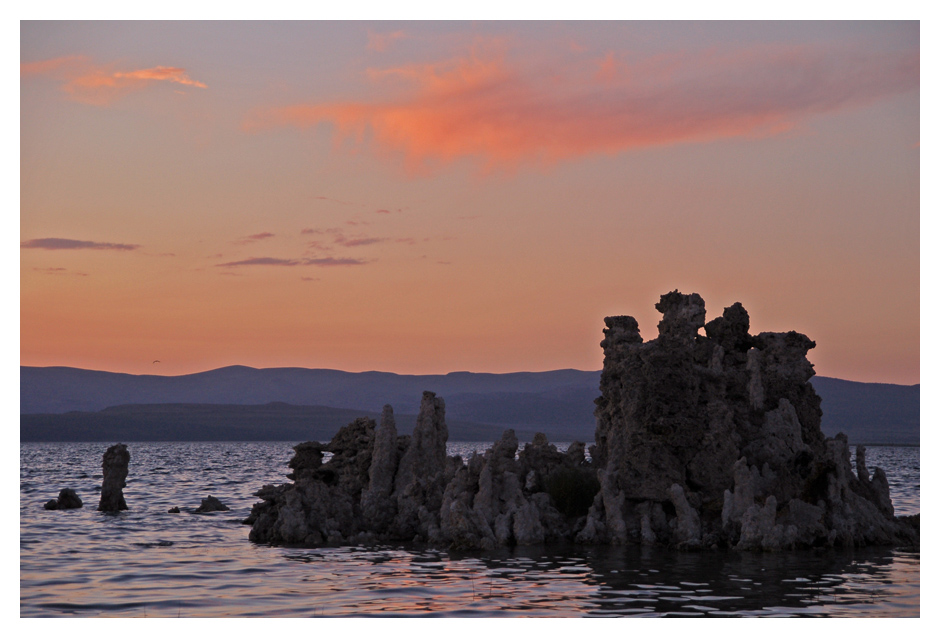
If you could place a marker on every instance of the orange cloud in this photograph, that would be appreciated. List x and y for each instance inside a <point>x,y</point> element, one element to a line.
<point>481,107</point>
<point>44,67</point>
<point>101,85</point>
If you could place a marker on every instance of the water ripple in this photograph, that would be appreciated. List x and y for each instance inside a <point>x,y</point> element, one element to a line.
<point>144,562</point>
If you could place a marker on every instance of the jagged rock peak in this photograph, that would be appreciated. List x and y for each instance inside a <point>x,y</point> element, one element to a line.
<point>683,315</point>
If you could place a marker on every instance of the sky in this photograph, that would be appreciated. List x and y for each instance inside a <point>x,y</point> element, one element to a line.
<point>428,197</point>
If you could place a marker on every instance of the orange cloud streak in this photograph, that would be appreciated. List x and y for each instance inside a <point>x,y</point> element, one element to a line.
<point>480,107</point>
<point>95,84</point>
<point>43,67</point>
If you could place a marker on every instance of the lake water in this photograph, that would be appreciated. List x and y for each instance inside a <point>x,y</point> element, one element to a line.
<point>146,562</point>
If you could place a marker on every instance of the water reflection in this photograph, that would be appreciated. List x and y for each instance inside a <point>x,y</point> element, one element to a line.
<point>569,581</point>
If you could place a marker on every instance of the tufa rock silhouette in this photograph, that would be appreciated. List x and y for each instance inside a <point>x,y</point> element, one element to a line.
<point>114,472</point>
<point>67,500</point>
<point>702,441</point>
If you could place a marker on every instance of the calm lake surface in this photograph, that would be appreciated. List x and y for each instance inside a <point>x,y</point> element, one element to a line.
<point>146,562</point>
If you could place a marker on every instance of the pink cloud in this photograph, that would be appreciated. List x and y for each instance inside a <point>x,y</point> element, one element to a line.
<point>480,106</point>
<point>608,69</point>
<point>101,85</point>
<point>379,42</point>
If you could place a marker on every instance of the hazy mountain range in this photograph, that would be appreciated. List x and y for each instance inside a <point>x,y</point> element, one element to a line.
<point>242,403</point>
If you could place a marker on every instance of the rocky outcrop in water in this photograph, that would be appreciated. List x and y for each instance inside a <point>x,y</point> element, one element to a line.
<point>381,486</point>
<point>715,440</point>
<point>67,500</point>
<point>211,504</point>
<point>114,472</point>
<point>702,441</point>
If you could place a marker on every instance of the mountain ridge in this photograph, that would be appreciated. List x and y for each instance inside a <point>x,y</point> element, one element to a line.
<point>557,402</point>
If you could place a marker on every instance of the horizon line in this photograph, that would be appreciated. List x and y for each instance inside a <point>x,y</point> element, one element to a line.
<point>400,374</point>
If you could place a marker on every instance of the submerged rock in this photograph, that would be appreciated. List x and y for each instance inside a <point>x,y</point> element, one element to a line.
<point>209,504</point>
<point>67,500</point>
<point>114,472</point>
<point>702,441</point>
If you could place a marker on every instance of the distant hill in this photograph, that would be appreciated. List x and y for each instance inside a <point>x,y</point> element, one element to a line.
<point>870,412</point>
<point>559,403</point>
<point>213,422</point>
<point>59,389</point>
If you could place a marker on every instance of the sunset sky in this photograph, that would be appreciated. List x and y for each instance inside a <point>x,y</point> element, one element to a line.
<point>427,197</point>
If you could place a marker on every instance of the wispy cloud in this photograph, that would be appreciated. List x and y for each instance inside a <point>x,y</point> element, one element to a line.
<point>273,261</point>
<point>60,271</point>
<point>85,81</point>
<point>379,42</point>
<point>350,242</point>
<point>260,261</point>
<point>608,69</point>
<point>331,199</point>
<point>45,67</point>
<point>340,237</point>
<point>481,106</point>
<point>335,261</point>
<point>250,239</point>
<point>320,231</point>
<point>55,243</point>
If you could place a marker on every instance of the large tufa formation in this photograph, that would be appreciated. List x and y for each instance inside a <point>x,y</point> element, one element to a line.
<point>715,440</point>
<point>381,486</point>
<point>114,472</point>
<point>702,441</point>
